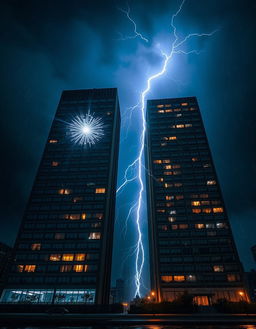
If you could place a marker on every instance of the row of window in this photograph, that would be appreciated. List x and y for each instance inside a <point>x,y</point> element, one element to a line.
<point>197,226</point>
<point>89,236</point>
<point>192,278</point>
<point>62,268</point>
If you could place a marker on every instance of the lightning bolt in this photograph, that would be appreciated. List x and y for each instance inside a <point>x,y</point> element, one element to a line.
<point>136,33</point>
<point>175,49</point>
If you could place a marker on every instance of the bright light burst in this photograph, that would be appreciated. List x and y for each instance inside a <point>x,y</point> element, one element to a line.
<point>135,170</point>
<point>86,129</point>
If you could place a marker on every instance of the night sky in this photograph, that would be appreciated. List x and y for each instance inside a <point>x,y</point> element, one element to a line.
<point>48,46</point>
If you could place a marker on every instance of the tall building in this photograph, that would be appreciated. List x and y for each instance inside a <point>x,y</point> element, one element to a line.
<point>63,251</point>
<point>191,243</point>
<point>6,255</point>
<point>253,249</point>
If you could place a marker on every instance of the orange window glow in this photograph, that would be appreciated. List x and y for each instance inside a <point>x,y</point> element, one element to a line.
<point>179,278</point>
<point>36,246</point>
<point>160,106</point>
<point>80,257</point>
<point>100,190</point>
<point>29,268</point>
<point>199,226</point>
<point>64,191</point>
<point>68,257</point>
<point>55,257</point>
<point>217,210</point>
<point>20,268</point>
<point>166,278</point>
<point>184,104</point>
<point>211,182</point>
<point>55,163</point>
<point>78,268</point>
<point>53,141</point>
<point>195,203</point>
<point>218,268</point>
<point>196,211</point>
<point>65,268</point>
<point>157,161</point>
<point>207,210</point>
<point>171,138</point>
<point>74,216</point>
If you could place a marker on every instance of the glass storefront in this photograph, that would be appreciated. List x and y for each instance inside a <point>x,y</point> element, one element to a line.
<point>34,296</point>
<point>69,296</point>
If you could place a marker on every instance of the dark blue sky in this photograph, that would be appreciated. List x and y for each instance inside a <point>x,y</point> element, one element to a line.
<point>48,46</point>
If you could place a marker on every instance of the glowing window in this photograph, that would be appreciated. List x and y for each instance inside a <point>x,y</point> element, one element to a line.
<point>184,104</point>
<point>218,268</point>
<point>195,203</point>
<point>188,125</point>
<point>100,190</point>
<point>166,278</point>
<point>29,268</point>
<point>173,212</point>
<point>196,211</point>
<point>83,216</point>
<point>160,210</point>
<point>36,246</point>
<point>221,225</point>
<point>217,210</point>
<point>169,197</point>
<point>179,126</point>
<point>160,111</point>
<point>178,184</point>
<point>59,236</point>
<point>163,144</point>
<point>179,115</point>
<point>20,268</point>
<point>160,106</point>
<point>158,161</point>
<point>55,163</point>
<point>74,216</point>
<point>99,216</point>
<point>176,166</point>
<point>169,110</point>
<point>171,219</point>
<point>171,138</point>
<point>164,228</point>
<point>205,203</point>
<point>231,277</point>
<point>78,268</point>
<point>168,167</point>
<point>206,165</point>
<point>207,210</point>
<point>194,159</point>
<point>65,268</point>
<point>177,110</point>
<point>179,278</point>
<point>166,161</point>
<point>210,225</point>
<point>94,236</point>
<point>167,185</point>
<point>167,173</point>
<point>53,141</point>
<point>175,227</point>
<point>211,182</point>
<point>160,180</point>
<point>190,278</point>
<point>68,257</point>
<point>55,257</point>
<point>199,226</point>
<point>64,191</point>
<point>183,226</point>
<point>80,257</point>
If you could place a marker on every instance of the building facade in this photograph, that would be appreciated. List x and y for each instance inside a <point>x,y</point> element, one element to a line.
<point>63,251</point>
<point>6,256</point>
<point>253,249</point>
<point>191,244</point>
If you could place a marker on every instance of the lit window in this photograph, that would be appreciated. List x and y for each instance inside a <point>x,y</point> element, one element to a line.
<point>166,161</point>
<point>64,191</point>
<point>176,166</point>
<point>205,203</point>
<point>166,278</point>
<point>210,225</point>
<point>65,268</point>
<point>169,197</point>
<point>173,212</point>
<point>160,111</point>
<point>184,104</point>
<point>179,126</point>
<point>160,210</point>
<point>177,110</point>
<point>211,182</point>
<point>160,106</point>
<point>20,268</point>
<point>171,138</point>
<point>183,226</point>
<point>196,211</point>
<point>80,257</point>
<point>174,227</point>
<point>188,125</point>
<point>168,105</point>
<point>218,268</point>
<point>217,210</point>
<point>55,257</point>
<point>168,167</point>
<point>171,219</point>
<point>231,277</point>
<point>179,115</point>
<point>195,203</point>
<point>59,236</point>
<point>30,268</point>
<point>164,228</point>
<point>78,268</point>
<point>94,236</point>
<point>68,257</point>
<point>160,180</point>
<point>55,163</point>
<point>179,278</point>
<point>221,225</point>
<point>163,144</point>
<point>169,110</point>
<point>167,185</point>
<point>178,184</point>
<point>194,159</point>
<point>206,165</point>
<point>199,226</point>
<point>74,216</point>
<point>36,246</point>
<point>53,141</point>
<point>158,161</point>
<point>100,190</point>
<point>167,173</point>
<point>207,210</point>
<point>83,216</point>
<point>99,216</point>
<point>190,278</point>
